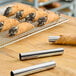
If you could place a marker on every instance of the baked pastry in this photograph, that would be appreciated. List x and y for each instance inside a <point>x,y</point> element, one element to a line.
<point>35,15</point>
<point>23,13</point>
<point>53,5</point>
<point>2,18</point>
<point>43,17</point>
<point>20,28</point>
<point>13,9</point>
<point>42,7</point>
<point>38,0</point>
<point>40,22</point>
<point>44,13</point>
<point>7,24</point>
<point>26,26</point>
<point>66,39</point>
<point>52,17</point>
<point>43,0</point>
<point>40,13</point>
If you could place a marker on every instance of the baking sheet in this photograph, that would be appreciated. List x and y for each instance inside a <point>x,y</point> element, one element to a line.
<point>5,40</point>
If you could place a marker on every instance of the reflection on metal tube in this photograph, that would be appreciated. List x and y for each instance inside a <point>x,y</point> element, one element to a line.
<point>33,69</point>
<point>44,53</point>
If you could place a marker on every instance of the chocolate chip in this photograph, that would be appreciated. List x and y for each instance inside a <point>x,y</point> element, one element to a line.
<point>1,25</point>
<point>13,31</point>
<point>41,21</point>
<point>30,17</point>
<point>7,11</point>
<point>19,14</point>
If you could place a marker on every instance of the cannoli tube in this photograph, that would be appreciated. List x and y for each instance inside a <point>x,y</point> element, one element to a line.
<point>2,18</point>
<point>13,9</point>
<point>42,53</point>
<point>63,39</point>
<point>7,24</point>
<point>21,28</point>
<point>23,13</point>
<point>34,69</point>
<point>52,17</point>
<point>40,13</point>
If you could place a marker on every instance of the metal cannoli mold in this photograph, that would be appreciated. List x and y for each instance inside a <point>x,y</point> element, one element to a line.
<point>34,69</point>
<point>38,54</point>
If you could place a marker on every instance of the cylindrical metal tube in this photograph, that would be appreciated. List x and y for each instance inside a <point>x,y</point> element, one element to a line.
<point>53,38</point>
<point>34,69</point>
<point>44,53</point>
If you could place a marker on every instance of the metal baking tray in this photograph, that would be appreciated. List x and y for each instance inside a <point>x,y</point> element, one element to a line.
<point>5,40</point>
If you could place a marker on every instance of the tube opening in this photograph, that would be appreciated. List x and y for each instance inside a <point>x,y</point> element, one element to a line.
<point>12,73</point>
<point>20,56</point>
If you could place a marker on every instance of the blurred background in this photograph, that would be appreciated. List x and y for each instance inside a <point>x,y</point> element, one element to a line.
<point>67,7</point>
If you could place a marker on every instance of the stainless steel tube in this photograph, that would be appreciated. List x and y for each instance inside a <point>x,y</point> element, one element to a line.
<point>33,69</point>
<point>44,53</point>
<point>53,38</point>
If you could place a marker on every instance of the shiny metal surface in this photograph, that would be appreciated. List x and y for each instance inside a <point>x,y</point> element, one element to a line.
<point>33,69</point>
<point>53,38</point>
<point>43,53</point>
